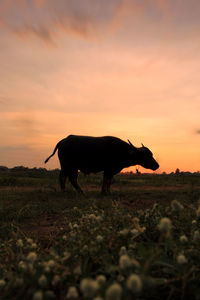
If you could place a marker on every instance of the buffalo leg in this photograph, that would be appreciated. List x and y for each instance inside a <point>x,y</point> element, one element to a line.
<point>73,179</point>
<point>62,179</point>
<point>106,183</point>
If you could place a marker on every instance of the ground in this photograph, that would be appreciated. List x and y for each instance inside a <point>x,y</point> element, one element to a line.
<point>84,236</point>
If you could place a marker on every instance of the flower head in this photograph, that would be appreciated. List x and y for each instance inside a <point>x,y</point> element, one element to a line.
<point>72,293</point>
<point>38,295</point>
<point>22,265</point>
<point>176,206</point>
<point>181,259</point>
<point>124,232</point>
<point>114,292</point>
<point>125,262</point>
<point>2,283</point>
<point>99,238</point>
<point>122,251</point>
<point>165,225</point>
<point>42,281</point>
<point>20,243</point>
<point>89,287</point>
<point>31,257</point>
<point>134,283</point>
<point>55,280</point>
<point>101,279</point>
<point>196,236</point>
<point>134,232</point>
<point>198,212</point>
<point>50,294</point>
<point>183,239</point>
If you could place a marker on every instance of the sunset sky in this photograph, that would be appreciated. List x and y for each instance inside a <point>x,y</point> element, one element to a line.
<point>126,68</point>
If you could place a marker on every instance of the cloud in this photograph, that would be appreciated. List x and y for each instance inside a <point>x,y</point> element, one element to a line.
<point>197,131</point>
<point>47,19</point>
<point>26,123</point>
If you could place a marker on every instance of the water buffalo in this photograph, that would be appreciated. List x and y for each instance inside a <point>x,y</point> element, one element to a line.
<point>95,154</point>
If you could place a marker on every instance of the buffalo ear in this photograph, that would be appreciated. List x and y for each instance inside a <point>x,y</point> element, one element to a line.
<point>131,144</point>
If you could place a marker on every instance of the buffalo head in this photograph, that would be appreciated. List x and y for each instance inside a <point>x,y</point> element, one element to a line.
<point>144,157</point>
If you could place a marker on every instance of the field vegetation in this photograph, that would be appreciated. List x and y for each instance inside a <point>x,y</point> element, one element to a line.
<point>142,241</point>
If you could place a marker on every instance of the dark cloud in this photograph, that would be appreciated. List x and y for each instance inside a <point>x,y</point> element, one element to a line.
<point>197,131</point>
<point>45,19</point>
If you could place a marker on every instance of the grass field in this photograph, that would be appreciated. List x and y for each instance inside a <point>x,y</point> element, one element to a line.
<point>140,242</point>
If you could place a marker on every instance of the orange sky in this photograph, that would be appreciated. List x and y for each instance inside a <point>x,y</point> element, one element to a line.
<point>125,68</point>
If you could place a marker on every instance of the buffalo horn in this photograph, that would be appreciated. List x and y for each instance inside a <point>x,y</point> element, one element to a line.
<point>131,144</point>
<point>143,145</point>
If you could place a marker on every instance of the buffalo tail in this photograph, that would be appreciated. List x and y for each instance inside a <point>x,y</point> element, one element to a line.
<point>54,151</point>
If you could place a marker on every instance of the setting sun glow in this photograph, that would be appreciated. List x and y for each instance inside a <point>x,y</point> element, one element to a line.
<point>123,68</point>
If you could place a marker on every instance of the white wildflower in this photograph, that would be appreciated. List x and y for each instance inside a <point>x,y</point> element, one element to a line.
<point>122,251</point>
<point>85,248</point>
<point>176,206</point>
<point>99,219</point>
<point>114,292</point>
<point>120,278</point>
<point>47,269</point>
<point>92,217</point>
<point>136,221</point>
<point>30,268</point>
<point>20,243</point>
<point>31,257</point>
<point>33,246</point>
<point>22,265</point>
<point>89,287</point>
<point>165,225</point>
<point>72,293</point>
<point>125,262</point>
<point>99,238</point>
<point>196,236</point>
<point>134,232</point>
<point>135,263</point>
<point>124,232</point>
<point>42,281</point>
<point>101,279</point>
<point>29,241</point>
<point>183,239</point>
<point>2,283</point>
<point>55,281</point>
<point>50,294</point>
<point>134,283</point>
<point>19,282</point>
<point>181,259</point>
<point>77,270</point>
<point>51,263</point>
<point>70,225</point>
<point>38,295</point>
<point>198,212</point>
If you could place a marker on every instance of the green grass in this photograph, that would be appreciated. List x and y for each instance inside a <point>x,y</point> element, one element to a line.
<point>76,237</point>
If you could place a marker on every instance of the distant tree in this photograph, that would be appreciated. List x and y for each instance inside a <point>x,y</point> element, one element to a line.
<point>177,172</point>
<point>137,171</point>
<point>3,168</point>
